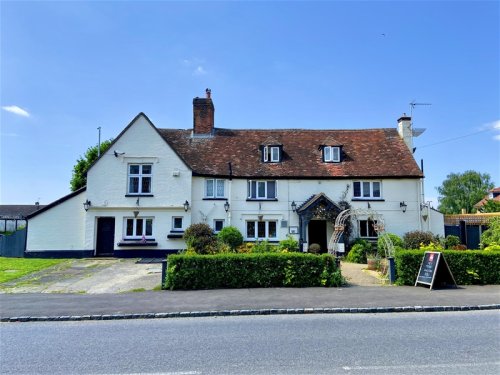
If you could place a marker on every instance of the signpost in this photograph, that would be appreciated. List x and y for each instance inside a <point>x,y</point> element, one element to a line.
<point>434,271</point>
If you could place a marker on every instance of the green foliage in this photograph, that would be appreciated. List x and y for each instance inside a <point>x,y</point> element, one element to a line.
<point>200,239</point>
<point>359,251</point>
<point>260,247</point>
<point>451,241</point>
<point>13,268</point>
<point>463,190</point>
<point>468,267</point>
<point>230,236</point>
<point>414,239</point>
<point>289,245</point>
<point>251,271</point>
<point>381,247</point>
<point>490,206</point>
<point>79,177</point>
<point>492,234</point>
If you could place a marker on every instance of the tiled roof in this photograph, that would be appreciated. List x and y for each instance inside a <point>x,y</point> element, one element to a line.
<point>18,210</point>
<point>371,153</point>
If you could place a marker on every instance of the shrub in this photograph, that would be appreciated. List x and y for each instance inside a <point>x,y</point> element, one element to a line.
<point>289,245</point>
<point>412,240</point>
<point>468,267</point>
<point>314,248</point>
<point>263,247</point>
<point>359,251</point>
<point>251,271</point>
<point>451,241</point>
<point>394,238</point>
<point>200,239</point>
<point>492,234</point>
<point>230,236</point>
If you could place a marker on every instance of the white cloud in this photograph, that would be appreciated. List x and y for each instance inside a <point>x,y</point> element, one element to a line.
<point>497,137</point>
<point>16,110</point>
<point>495,125</point>
<point>9,135</point>
<point>199,71</point>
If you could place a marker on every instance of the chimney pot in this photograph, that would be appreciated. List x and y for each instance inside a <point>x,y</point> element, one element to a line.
<point>209,93</point>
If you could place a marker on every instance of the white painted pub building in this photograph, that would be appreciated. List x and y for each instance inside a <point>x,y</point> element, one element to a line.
<point>153,183</point>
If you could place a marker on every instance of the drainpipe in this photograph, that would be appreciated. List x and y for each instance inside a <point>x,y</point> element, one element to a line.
<point>229,192</point>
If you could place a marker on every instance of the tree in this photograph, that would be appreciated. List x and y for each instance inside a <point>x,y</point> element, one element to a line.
<point>79,177</point>
<point>463,190</point>
<point>490,206</point>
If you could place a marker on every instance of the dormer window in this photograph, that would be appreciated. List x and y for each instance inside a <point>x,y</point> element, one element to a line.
<point>331,154</point>
<point>271,154</point>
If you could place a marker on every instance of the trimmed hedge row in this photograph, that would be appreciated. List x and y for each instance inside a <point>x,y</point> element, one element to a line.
<point>468,267</point>
<point>251,271</point>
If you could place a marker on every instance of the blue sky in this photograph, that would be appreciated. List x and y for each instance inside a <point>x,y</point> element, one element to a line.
<point>69,67</point>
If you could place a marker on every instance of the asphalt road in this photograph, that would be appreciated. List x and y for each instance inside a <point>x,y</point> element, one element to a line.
<point>423,343</point>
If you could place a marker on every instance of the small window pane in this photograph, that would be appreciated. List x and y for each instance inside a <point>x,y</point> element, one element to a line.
<point>335,154</point>
<point>253,189</point>
<point>210,188</point>
<point>275,156</point>
<point>138,227</point>
<point>261,229</point>
<point>271,189</point>
<point>220,188</point>
<point>366,189</point>
<point>146,185</point>
<point>149,227</point>
<point>146,169</point>
<point>134,185</point>
<point>357,189</point>
<point>265,151</point>
<point>272,229</point>
<point>130,227</point>
<point>134,169</point>
<point>376,189</point>
<point>371,228</point>
<point>250,229</point>
<point>262,189</point>
<point>218,225</point>
<point>177,222</point>
<point>328,153</point>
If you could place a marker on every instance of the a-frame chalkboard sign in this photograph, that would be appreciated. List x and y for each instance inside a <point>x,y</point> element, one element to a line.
<point>434,271</point>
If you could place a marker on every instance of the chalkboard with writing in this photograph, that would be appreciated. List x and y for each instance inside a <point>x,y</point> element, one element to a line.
<point>434,271</point>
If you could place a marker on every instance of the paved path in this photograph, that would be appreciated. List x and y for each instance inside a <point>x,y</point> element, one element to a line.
<point>357,274</point>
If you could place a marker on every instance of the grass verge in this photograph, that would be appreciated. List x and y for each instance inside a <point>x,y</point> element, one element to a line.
<point>13,268</point>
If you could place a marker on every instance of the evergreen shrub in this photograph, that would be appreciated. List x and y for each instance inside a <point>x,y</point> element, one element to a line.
<point>251,271</point>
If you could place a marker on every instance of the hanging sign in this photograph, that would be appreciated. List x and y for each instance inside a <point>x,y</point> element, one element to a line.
<point>434,271</point>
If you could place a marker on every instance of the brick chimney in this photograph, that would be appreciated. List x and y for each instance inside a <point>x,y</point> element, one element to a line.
<point>405,130</point>
<point>203,115</point>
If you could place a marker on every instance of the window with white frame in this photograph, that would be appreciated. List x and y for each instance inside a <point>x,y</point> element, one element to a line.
<point>140,178</point>
<point>367,228</point>
<point>177,223</point>
<point>367,189</point>
<point>271,154</point>
<point>262,189</point>
<point>331,154</point>
<point>218,225</point>
<point>214,188</point>
<point>136,228</point>
<point>261,230</point>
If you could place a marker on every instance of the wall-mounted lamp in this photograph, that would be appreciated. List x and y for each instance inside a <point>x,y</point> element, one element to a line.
<point>186,206</point>
<point>86,205</point>
<point>294,206</point>
<point>117,153</point>
<point>422,206</point>
<point>403,206</point>
<point>226,206</point>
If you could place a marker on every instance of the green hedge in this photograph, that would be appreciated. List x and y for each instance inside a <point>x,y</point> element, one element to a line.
<point>251,271</point>
<point>468,267</point>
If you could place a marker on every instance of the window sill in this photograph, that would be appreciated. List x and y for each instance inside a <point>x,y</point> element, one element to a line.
<point>367,200</point>
<point>175,235</point>
<point>136,243</point>
<point>262,200</point>
<point>139,195</point>
<point>215,199</point>
<point>261,240</point>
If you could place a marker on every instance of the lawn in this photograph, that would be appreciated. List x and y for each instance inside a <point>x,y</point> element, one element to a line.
<point>12,268</point>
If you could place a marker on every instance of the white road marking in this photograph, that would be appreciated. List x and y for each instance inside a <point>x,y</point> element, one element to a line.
<point>443,365</point>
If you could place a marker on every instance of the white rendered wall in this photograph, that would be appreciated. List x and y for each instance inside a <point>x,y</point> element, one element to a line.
<point>59,228</point>
<point>394,191</point>
<point>107,186</point>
